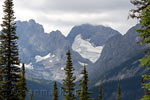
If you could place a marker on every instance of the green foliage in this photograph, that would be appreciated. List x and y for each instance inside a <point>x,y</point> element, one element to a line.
<point>21,85</point>
<point>69,81</point>
<point>142,13</point>
<point>119,93</point>
<point>83,92</point>
<point>101,91</point>
<point>145,61</point>
<point>9,57</point>
<point>55,92</point>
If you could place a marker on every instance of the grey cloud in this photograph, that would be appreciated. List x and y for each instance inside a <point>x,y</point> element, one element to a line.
<point>63,14</point>
<point>77,5</point>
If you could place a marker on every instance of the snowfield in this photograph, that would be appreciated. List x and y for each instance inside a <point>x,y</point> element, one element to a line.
<point>86,49</point>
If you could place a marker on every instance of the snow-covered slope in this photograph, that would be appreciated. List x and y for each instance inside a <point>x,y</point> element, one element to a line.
<point>86,49</point>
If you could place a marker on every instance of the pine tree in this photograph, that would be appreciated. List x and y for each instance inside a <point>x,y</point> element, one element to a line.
<point>31,95</point>
<point>101,92</point>
<point>22,85</point>
<point>83,92</point>
<point>1,84</point>
<point>69,81</point>
<point>142,13</point>
<point>55,92</point>
<point>9,57</point>
<point>119,93</point>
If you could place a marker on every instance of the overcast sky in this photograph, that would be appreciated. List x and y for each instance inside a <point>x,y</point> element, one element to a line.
<point>64,14</point>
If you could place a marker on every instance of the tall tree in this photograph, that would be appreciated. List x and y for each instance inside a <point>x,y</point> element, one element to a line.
<point>69,81</point>
<point>31,95</point>
<point>22,89</point>
<point>83,92</point>
<point>1,79</point>
<point>119,93</point>
<point>142,13</point>
<point>101,91</point>
<point>55,92</point>
<point>9,57</point>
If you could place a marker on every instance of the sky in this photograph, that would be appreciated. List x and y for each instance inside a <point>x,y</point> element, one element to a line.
<point>64,14</point>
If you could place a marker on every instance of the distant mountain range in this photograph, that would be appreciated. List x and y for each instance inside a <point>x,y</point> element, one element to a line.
<point>45,53</point>
<point>109,56</point>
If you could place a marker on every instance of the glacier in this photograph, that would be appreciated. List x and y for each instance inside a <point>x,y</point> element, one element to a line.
<point>86,49</point>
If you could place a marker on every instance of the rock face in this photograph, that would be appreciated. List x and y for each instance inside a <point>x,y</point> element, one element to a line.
<point>96,35</point>
<point>117,50</point>
<point>45,53</point>
<point>89,40</point>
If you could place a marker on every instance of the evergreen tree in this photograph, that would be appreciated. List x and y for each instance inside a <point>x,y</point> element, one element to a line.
<point>9,57</point>
<point>55,92</point>
<point>22,85</point>
<point>119,93</point>
<point>31,95</point>
<point>69,81</point>
<point>142,13</point>
<point>101,92</point>
<point>83,92</point>
<point>1,84</point>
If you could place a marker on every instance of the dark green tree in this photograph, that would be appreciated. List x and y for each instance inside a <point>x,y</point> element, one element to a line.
<point>101,91</point>
<point>119,93</point>
<point>69,81</point>
<point>22,89</point>
<point>55,92</point>
<point>142,13</point>
<point>9,57</point>
<point>1,84</point>
<point>31,95</point>
<point>84,92</point>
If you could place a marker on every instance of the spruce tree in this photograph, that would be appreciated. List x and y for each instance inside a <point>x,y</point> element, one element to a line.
<point>69,81</point>
<point>9,57</point>
<point>55,92</point>
<point>1,85</point>
<point>83,92</point>
<point>142,13</point>
<point>119,93</point>
<point>22,84</point>
<point>101,91</point>
<point>31,95</point>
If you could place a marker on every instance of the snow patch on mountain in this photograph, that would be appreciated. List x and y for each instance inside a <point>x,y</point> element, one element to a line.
<point>81,63</point>
<point>29,66</point>
<point>86,49</point>
<point>39,58</point>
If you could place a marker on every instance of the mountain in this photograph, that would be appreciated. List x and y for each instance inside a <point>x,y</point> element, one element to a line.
<point>96,34</point>
<point>119,63</point>
<point>117,50</point>
<point>44,54</point>
<point>89,40</point>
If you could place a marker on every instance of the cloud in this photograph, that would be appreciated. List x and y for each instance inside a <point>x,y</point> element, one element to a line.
<point>75,5</point>
<point>64,14</point>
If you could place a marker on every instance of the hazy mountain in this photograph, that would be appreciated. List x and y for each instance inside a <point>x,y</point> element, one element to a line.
<point>45,53</point>
<point>96,34</point>
<point>89,40</point>
<point>117,50</point>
